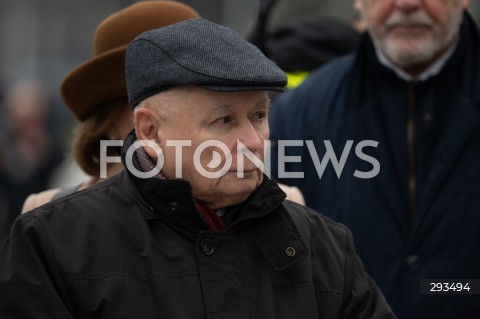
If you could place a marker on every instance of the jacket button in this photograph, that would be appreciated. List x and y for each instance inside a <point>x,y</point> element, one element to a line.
<point>173,206</point>
<point>290,251</point>
<point>207,247</point>
<point>413,262</point>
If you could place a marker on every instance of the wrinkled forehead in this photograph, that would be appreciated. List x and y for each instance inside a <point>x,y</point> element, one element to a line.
<point>193,101</point>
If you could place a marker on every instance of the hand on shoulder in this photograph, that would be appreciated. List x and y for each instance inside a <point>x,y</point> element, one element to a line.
<point>36,200</point>
<point>293,193</point>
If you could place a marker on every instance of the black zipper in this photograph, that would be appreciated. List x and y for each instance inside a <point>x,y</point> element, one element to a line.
<point>412,183</point>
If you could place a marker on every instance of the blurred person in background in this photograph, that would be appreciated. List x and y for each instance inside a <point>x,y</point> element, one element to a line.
<point>399,120</point>
<point>95,92</point>
<point>300,36</point>
<point>30,151</point>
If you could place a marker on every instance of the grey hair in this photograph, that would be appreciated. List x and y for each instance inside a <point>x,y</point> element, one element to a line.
<point>163,103</point>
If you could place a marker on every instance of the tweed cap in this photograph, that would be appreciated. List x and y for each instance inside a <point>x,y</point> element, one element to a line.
<point>197,52</point>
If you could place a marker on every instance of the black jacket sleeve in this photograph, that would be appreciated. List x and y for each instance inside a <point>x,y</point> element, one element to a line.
<point>30,283</point>
<point>362,298</point>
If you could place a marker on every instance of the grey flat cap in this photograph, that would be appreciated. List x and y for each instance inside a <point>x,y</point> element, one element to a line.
<point>197,52</point>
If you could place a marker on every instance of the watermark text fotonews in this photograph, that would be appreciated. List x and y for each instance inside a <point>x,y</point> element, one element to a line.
<point>222,158</point>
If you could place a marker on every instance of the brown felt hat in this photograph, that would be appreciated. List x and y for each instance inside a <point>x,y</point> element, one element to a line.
<point>102,78</point>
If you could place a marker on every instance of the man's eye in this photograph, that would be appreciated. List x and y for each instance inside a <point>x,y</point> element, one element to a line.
<point>260,116</point>
<point>223,120</point>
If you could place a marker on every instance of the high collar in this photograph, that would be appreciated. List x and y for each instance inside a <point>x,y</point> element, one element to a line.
<point>172,201</point>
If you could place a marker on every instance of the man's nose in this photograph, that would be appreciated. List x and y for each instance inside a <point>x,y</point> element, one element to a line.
<point>408,5</point>
<point>250,137</point>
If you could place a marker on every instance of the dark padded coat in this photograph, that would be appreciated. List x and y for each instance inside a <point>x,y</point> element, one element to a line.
<point>402,233</point>
<point>132,248</point>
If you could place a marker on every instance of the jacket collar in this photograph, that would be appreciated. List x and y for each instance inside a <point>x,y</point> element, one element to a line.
<point>262,215</point>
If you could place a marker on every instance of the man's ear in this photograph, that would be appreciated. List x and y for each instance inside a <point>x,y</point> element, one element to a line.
<point>147,128</point>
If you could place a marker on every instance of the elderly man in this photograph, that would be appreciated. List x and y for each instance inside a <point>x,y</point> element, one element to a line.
<point>400,122</point>
<point>173,236</point>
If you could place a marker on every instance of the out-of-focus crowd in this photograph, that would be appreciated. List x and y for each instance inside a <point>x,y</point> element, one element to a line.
<point>31,146</point>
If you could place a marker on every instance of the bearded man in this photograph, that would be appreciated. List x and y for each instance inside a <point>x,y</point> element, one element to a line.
<point>400,120</point>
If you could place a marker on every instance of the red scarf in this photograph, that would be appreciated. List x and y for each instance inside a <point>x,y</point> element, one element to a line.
<point>215,223</point>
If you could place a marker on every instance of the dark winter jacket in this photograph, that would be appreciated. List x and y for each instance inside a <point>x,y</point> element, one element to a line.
<point>419,216</point>
<point>133,248</point>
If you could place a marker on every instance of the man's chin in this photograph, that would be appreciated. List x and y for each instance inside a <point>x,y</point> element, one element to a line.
<point>239,186</point>
<point>408,53</point>
<point>233,195</point>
